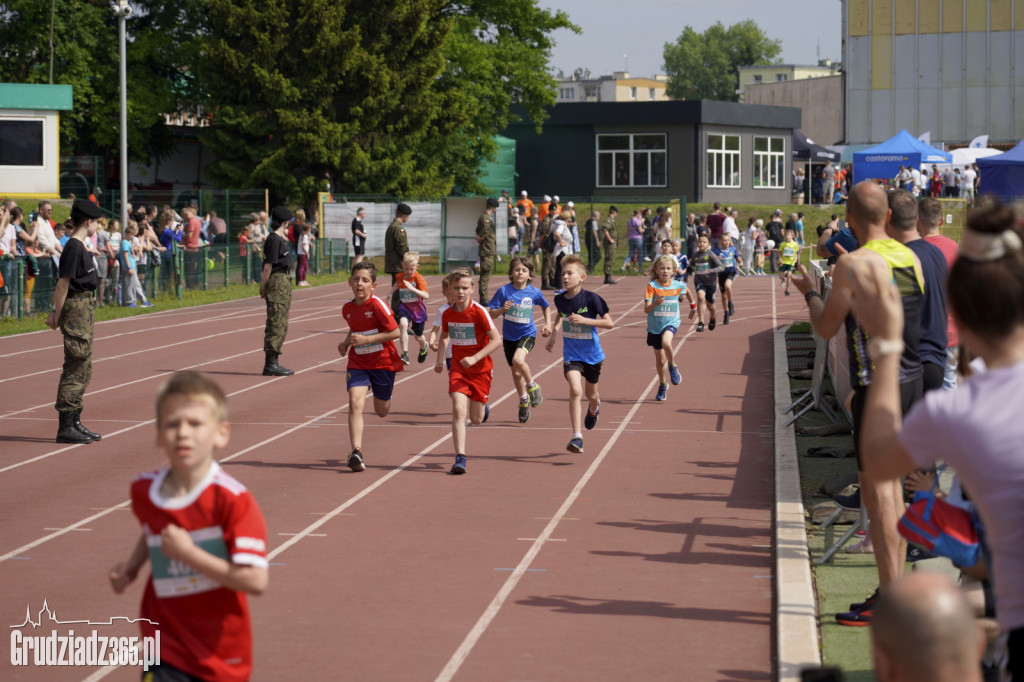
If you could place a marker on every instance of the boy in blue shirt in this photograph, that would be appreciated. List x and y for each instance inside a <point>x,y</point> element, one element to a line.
<point>582,313</point>
<point>514,302</point>
<point>726,253</point>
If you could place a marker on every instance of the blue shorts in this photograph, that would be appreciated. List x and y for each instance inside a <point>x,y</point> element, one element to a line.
<point>654,340</point>
<point>415,327</point>
<point>380,381</point>
<point>708,288</point>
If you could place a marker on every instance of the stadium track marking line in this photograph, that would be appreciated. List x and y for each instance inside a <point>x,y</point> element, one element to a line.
<point>491,612</point>
<point>201,364</point>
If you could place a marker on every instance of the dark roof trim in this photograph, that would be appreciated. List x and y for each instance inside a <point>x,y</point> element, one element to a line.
<point>674,112</point>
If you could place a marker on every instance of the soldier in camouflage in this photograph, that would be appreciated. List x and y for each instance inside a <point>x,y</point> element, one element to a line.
<point>396,244</point>
<point>547,249</point>
<point>488,246</point>
<point>609,237</point>
<point>276,289</point>
<point>74,311</point>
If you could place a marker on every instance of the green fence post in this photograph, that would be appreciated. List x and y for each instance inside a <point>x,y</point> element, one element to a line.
<point>332,257</point>
<point>179,266</point>
<point>21,289</point>
<point>201,264</point>
<point>227,266</point>
<point>247,275</point>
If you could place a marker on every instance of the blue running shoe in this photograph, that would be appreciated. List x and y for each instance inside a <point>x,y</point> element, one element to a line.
<point>460,464</point>
<point>132,305</point>
<point>147,304</point>
<point>575,445</point>
<point>673,373</point>
<point>590,421</point>
<point>662,392</point>
<point>487,413</point>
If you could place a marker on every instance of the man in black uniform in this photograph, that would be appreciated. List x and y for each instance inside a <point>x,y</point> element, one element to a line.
<point>276,288</point>
<point>74,313</point>
<point>358,236</point>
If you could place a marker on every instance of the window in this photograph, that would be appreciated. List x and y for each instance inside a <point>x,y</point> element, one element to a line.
<point>723,164</point>
<point>592,92</point>
<point>631,160</point>
<point>650,94</point>
<point>757,78</point>
<point>769,162</point>
<point>780,77</point>
<point>21,142</point>
<point>567,93</point>
<point>632,93</point>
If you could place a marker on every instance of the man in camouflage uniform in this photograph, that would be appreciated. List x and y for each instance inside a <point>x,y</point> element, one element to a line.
<point>488,246</point>
<point>609,237</point>
<point>396,244</point>
<point>276,288</point>
<point>547,255</point>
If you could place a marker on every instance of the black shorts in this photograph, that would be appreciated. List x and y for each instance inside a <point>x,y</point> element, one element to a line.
<point>910,393</point>
<point>709,290</point>
<point>591,373</point>
<point>415,328</point>
<point>785,267</point>
<point>359,249</point>
<point>654,340</point>
<point>726,276</point>
<point>512,346</point>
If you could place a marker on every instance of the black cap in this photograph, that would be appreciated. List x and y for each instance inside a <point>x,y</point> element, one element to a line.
<point>280,214</point>
<point>404,209</point>
<point>492,202</point>
<point>87,208</point>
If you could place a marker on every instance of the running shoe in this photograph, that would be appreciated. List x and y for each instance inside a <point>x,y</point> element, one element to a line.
<point>732,310</point>
<point>870,601</point>
<point>786,292</point>
<point>850,502</point>
<point>700,326</point>
<point>856,619</point>
<point>524,411</point>
<point>575,445</point>
<point>487,413</point>
<point>460,464</point>
<point>673,374</point>
<point>422,357</point>
<point>355,461</point>
<point>725,318</point>
<point>711,325</point>
<point>147,304</point>
<point>132,305</point>
<point>590,420</point>
<point>405,358</point>
<point>662,392</point>
<point>535,395</point>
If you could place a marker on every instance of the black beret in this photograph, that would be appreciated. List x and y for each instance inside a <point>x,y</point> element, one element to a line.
<point>492,202</point>
<point>281,214</point>
<point>404,209</point>
<point>87,208</point>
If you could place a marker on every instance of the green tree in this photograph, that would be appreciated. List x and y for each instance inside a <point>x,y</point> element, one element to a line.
<point>703,65</point>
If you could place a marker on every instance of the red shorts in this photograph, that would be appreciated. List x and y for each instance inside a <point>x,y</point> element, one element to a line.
<point>477,385</point>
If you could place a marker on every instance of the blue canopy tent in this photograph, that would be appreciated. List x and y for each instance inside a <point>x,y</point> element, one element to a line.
<point>1003,174</point>
<point>902,149</point>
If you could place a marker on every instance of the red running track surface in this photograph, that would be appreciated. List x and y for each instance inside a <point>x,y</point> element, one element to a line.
<point>647,557</point>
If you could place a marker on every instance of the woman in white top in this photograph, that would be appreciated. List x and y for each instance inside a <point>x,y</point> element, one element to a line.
<point>563,243</point>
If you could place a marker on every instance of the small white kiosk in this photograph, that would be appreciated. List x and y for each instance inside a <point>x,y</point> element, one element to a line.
<point>30,138</point>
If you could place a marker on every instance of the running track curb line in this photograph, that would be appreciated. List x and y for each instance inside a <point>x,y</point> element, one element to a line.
<point>795,607</point>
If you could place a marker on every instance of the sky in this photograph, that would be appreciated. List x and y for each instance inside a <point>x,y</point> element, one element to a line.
<point>617,31</point>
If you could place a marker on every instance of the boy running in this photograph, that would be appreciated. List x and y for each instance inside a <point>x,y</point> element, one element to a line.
<point>582,313</point>
<point>372,358</point>
<point>204,537</point>
<point>726,253</point>
<point>412,304</point>
<point>789,252</point>
<point>661,303</point>
<point>515,302</point>
<point>434,341</point>
<point>468,327</point>
<point>706,266</point>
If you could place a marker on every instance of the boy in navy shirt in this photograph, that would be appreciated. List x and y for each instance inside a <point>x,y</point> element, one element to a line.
<point>582,313</point>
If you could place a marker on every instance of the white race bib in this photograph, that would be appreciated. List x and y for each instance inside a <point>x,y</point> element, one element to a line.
<point>368,348</point>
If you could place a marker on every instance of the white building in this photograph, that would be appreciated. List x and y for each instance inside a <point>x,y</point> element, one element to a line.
<point>615,87</point>
<point>30,138</point>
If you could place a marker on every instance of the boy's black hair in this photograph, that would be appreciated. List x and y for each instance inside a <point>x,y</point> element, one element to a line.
<point>366,265</point>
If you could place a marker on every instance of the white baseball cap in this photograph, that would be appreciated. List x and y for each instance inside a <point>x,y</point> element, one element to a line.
<point>547,198</point>
<point>523,193</point>
<point>556,198</point>
<point>570,204</point>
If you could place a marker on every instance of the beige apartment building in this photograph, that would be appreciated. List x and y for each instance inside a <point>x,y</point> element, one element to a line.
<point>615,87</point>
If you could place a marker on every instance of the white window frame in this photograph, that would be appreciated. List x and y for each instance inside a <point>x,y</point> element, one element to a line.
<point>651,94</point>
<point>770,162</point>
<point>714,158</point>
<point>45,142</point>
<point>632,92</point>
<point>630,153</point>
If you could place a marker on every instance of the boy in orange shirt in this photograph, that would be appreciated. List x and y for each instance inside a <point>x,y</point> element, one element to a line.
<point>468,327</point>
<point>412,305</point>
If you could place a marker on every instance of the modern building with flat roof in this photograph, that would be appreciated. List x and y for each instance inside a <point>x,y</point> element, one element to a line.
<point>615,87</point>
<point>30,137</point>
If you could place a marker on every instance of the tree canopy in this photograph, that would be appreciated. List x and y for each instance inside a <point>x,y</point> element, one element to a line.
<point>703,65</point>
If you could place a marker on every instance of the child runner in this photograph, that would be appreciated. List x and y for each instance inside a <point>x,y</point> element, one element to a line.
<point>683,271</point>
<point>515,302</point>
<point>661,303</point>
<point>372,358</point>
<point>435,332</point>
<point>412,304</point>
<point>789,252</point>
<point>469,327</point>
<point>726,253</point>
<point>204,537</point>
<point>582,312</point>
<point>303,252</point>
<point>706,266</point>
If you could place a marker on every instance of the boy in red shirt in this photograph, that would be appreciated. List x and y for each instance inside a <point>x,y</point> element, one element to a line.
<point>372,358</point>
<point>204,537</point>
<point>468,327</point>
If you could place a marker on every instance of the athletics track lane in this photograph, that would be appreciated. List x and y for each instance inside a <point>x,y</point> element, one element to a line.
<point>653,570</point>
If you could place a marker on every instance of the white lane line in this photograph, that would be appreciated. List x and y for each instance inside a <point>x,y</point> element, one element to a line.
<point>491,612</point>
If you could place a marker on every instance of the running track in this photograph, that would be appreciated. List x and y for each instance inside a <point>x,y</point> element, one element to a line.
<point>647,557</point>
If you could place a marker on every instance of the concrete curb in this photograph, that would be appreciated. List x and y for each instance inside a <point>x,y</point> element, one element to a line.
<point>796,613</point>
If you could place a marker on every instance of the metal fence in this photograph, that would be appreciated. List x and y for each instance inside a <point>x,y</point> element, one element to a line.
<point>29,281</point>
<point>954,218</point>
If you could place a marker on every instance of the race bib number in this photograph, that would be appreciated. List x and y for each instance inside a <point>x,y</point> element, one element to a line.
<point>521,313</point>
<point>729,261</point>
<point>667,308</point>
<point>788,252</point>
<point>175,579</point>
<point>407,296</point>
<point>702,267</point>
<point>368,348</point>
<point>462,333</point>
<point>576,331</point>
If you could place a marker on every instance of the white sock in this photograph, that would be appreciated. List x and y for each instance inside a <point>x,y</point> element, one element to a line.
<point>531,384</point>
<point>524,397</point>
<point>577,435</point>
